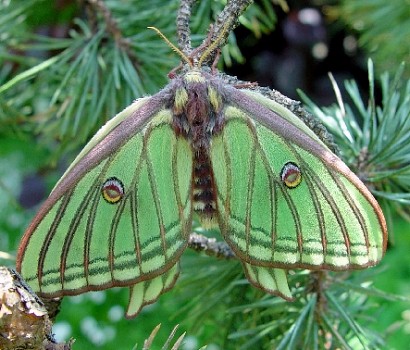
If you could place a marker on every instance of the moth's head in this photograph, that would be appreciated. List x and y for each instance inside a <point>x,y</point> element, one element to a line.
<point>194,76</point>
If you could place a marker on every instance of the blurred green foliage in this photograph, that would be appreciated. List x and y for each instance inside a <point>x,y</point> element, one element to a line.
<point>383,28</point>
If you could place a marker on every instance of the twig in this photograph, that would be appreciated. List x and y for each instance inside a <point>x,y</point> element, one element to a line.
<point>220,31</point>
<point>210,246</point>
<point>183,30</point>
<point>114,30</point>
<point>112,26</point>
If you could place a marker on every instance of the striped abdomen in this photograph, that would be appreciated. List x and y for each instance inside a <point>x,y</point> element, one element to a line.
<point>204,196</point>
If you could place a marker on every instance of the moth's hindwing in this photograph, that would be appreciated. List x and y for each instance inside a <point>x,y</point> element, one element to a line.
<point>147,292</point>
<point>120,215</point>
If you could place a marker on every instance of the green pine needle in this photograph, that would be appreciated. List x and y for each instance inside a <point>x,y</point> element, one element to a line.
<point>374,138</point>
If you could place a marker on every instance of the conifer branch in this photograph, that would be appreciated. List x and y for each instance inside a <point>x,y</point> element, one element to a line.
<point>210,246</point>
<point>219,31</point>
<point>183,29</point>
<point>112,25</point>
<point>113,29</point>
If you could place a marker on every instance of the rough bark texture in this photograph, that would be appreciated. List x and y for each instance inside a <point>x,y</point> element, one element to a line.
<point>24,320</point>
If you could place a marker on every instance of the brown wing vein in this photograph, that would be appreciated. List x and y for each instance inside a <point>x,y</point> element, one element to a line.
<point>228,184</point>
<point>89,233</point>
<point>329,198</point>
<point>355,209</point>
<point>288,199</point>
<point>318,210</point>
<point>133,208</point>
<point>75,221</point>
<point>113,234</point>
<point>176,187</point>
<point>90,222</point>
<point>251,184</point>
<point>135,226</point>
<point>50,235</point>
<point>157,203</point>
<point>316,202</point>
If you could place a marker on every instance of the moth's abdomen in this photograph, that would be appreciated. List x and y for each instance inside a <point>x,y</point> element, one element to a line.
<point>203,191</point>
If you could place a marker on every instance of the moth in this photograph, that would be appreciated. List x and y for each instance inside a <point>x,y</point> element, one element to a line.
<point>122,213</point>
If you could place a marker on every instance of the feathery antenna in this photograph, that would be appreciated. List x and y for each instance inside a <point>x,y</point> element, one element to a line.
<point>216,43</point>
<point>172,46</point>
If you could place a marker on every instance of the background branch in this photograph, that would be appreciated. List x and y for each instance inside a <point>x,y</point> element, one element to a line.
<point>210,246</point>
<point>224,25</point>
<point>183,26</point>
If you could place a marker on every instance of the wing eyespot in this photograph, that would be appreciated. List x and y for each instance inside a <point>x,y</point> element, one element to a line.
<point>291,175</point>
<point>112,190</point>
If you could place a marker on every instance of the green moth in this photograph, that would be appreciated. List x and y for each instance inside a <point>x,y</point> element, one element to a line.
<point>122,213</point>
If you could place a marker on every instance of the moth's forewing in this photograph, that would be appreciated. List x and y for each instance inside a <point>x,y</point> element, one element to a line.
<point>330,220</point>
<point>79,241</point>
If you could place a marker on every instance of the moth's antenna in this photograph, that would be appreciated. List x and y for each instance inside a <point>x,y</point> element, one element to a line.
<point>216,43</point>
<point>172,46</point>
